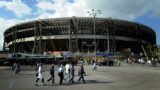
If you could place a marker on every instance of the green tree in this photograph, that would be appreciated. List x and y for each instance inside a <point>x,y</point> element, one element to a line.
<point>152,51</point>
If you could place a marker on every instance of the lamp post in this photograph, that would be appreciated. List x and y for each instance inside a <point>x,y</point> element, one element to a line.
<point>94,14</point>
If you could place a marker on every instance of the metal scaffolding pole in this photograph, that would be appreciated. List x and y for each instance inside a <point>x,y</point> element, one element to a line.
<point>14,39</point>
<point>37,47</point>
<point>111,41</point>
<point>73,30</point>
<point>40,38</point>
<point>69,36</point>
<point>94,14</point>
<point>108,40</point>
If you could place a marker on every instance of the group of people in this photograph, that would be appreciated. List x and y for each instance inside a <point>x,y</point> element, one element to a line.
<point>143,61</point>
<point>68,70</point>
<point>65,73</point>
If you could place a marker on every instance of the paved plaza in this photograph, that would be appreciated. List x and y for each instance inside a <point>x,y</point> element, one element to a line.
<point>124,77</point>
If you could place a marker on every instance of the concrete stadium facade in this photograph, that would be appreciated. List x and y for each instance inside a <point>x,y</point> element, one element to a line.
<point>77,34</point>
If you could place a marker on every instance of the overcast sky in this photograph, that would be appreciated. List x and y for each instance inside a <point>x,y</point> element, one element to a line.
<point>12,12</point>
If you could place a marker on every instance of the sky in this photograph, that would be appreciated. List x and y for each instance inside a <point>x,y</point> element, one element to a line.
<point>12,12</point>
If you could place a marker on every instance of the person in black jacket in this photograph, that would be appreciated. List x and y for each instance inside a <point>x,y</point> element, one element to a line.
<point>72,74</point>
<point>52,74</point>
<point>81,73</point>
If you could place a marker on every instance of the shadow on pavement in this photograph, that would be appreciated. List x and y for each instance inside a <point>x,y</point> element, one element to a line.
<point>26,74</point>
<point>103,71</point>
<point>87,82</point>
<point>94,81</point>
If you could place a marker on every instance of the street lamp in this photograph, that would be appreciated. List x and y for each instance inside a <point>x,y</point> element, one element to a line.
<point>94,13</point>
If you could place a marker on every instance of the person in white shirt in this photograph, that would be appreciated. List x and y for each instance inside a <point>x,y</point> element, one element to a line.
<point>94,66</point>
<point>60,74</point>
<point>40,76</point>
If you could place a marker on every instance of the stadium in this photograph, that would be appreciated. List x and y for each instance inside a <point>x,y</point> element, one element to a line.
<point>78,34</point>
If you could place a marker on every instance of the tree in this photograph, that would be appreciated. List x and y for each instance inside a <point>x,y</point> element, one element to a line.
<point>152,51</point>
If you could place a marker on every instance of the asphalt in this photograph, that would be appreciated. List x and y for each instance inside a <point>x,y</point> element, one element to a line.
<point>124,77</point>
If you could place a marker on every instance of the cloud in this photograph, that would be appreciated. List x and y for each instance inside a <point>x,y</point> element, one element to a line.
<point>16,6</point>
<point>44,15</point>
<point>124,9</point>
<point>4,24</point>
<point>61,8</point>
<point>44,5</point>
<point>121,9</point>
<point>67,9</point>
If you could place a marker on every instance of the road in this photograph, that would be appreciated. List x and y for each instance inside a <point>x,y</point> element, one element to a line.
<point>124,77</point>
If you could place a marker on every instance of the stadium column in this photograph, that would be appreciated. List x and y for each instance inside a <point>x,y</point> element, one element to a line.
<point>111,43</point>
<point>137,33</point>
<point>69,35</point>
<point>114,35</point>
<point>37,38</point>
<point>94,13</point>
<point>4,46</point>
<point>40,38</point>
<point>52,44</point>
<point>73,29</point>
<point>108,36</point>
<point>95,43</point>
<point>14,39</point>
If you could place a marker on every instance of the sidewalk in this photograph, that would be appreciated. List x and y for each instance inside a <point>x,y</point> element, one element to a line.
<point>124,77</point>
<point>4,67</point>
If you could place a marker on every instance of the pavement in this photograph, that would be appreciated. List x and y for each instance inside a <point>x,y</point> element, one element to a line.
<point>4,67</point>
<point>124,77</point>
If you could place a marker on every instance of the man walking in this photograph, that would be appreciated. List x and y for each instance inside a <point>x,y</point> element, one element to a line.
<point>17,69</point>
<point>71,80</point>
<point>81,73</point>
<point>52,74</point>
<point>60,74</point>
